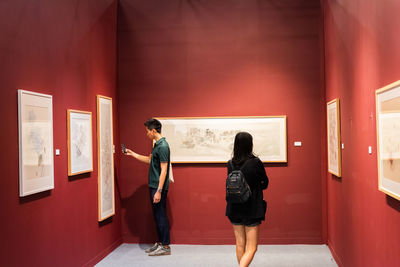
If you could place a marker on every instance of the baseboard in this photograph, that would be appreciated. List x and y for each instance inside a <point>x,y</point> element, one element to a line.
<point>335,255</point>
<point>103,253</point>
<point>231,241</point>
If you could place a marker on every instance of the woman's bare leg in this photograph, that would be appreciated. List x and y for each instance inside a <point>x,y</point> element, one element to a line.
<point>240,236</point>
<point>251,245</point>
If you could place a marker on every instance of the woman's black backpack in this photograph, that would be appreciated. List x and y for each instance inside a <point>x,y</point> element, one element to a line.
<point>237,189</point>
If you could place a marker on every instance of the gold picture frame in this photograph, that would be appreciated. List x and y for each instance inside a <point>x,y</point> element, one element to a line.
<point>105,155</point>
<point>334,138</point>
<point>210,139</point>
<point>80,148</point>
<point>388,138</point>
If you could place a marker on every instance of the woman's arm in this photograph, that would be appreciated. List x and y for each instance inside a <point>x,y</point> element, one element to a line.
<point>262,174</point>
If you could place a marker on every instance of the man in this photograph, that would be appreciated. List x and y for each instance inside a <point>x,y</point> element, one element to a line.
<point>158,184</point>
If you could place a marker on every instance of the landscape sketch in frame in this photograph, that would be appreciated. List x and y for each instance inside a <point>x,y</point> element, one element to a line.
<point>105,157</point>
<point>35,134</point>
<point>388,138</point>
<point>80,152</point>
<point>334,152</point>
<point>208,140</point>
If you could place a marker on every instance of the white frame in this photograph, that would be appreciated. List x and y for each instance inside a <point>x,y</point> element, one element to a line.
<point>333,128</point>
<point>218,148</point>
<point>105,157</point>
<point>42,133</point>
<point>387,129</point>
<point>83,163</point>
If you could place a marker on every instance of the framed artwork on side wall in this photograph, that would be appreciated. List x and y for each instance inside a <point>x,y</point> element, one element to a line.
<point>80,152</point>
<point>333,129</point>
<point>35,134</point>
<point>388,138</point>
<point>105,157</point>
<point>210,139</point>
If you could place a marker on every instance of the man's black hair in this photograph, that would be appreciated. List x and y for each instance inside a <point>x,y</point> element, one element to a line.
<point>153,124</point>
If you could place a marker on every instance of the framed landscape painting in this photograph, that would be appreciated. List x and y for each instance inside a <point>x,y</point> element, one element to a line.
<point>35,134</point>
<point>388,138</point>
<point>210,139</point>
<point>333,130</point>
<point>80,152</point>
<point>105,157</point>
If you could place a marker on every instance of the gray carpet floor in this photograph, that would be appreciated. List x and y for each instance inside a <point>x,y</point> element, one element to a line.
<point>220,255</point>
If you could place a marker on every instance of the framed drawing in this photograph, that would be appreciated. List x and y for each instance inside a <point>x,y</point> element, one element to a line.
<point>333,124</point>
<point>80,152</point>
<point>210,140</point>
<point>35,134</point>
<point>105,157</point>
<point>388,135</point>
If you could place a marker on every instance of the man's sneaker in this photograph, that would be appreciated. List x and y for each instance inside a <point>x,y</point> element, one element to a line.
<point>152,248</point>
<point>160,251</point>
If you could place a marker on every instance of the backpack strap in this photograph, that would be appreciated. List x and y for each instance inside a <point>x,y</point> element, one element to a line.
<point>244,164</point>
<point>233,167</point>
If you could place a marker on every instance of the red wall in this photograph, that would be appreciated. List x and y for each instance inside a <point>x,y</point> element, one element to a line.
<point>362,54</point>
<point>223,58</point>
<point>66,49</point>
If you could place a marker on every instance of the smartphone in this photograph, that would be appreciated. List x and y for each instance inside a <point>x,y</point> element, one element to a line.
<point>123,148</point>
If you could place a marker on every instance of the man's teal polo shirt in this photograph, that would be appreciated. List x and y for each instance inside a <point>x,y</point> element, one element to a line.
<point>159,154</point>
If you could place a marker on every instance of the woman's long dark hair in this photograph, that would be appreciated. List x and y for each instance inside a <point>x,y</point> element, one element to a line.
<point>242,148</point>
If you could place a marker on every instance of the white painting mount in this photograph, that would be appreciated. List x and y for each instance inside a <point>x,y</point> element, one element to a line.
<point>80,152</point>
<point>35,134</point>
<point>210,139</point>
<point>334,138</point>
<point>388,138</point>
<point>105,157</point>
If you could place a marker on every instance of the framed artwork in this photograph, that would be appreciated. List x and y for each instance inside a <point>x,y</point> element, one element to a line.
<point>105,157</point>
<point>388,135</point>
<point>80,151</point>
<point>333,124</point>
<point>35,134</point>
<point>210,140</point>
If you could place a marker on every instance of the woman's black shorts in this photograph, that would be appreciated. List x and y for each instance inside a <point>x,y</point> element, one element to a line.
<point>245,221</point>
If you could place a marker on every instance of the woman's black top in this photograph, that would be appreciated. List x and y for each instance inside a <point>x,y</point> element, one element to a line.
<point>257,179</point>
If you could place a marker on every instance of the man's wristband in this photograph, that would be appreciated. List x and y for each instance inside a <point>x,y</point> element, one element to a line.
<point>159,190</point>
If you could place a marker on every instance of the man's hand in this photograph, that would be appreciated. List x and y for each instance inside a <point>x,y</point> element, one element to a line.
<point>157,197</point>
<point>130,152</point>
<point>145,159</point>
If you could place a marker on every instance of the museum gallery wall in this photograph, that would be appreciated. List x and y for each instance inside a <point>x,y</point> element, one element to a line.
<point>191,70</point>
<point>254,70</point>
<point>361,62</point>
<point>66,50</point>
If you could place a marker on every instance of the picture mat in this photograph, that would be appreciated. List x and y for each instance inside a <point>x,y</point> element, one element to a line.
<point>80,152</point>
<point>207,140</point>
<point>35,127</point>
<point>388,134</point>
<point>333,129</point>
<point>105,161</point>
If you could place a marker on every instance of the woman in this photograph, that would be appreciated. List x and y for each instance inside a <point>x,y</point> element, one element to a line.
<point>246,217</point>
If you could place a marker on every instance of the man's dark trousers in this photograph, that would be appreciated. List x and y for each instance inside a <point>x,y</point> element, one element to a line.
<point>160,216</point>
